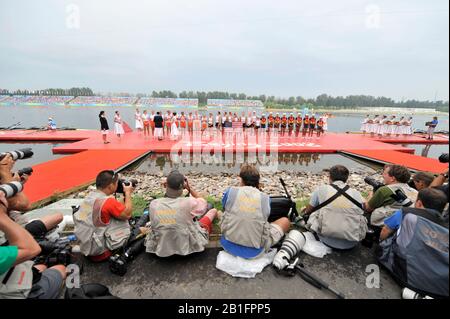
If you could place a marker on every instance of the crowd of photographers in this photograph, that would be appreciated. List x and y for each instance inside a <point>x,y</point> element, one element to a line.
<point>406,217</point>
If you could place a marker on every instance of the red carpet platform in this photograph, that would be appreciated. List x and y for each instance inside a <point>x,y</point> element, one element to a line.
<point>92,155</point>
<point>66,174</point>
<point>413,162</point>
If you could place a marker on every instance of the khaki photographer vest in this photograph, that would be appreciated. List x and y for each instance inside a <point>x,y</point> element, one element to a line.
<point>19,283</point>
<point>95,236</point>
<point>173,230</point>
<point>245,219</point>
<point>340,219</point>
<point>381,213</point>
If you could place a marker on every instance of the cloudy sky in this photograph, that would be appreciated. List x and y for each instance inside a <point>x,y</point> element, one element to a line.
<point>395,48</point>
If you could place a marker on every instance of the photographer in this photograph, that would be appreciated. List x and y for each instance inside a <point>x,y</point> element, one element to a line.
<point>179,225</point>
<point>414,244</point>
<point>246,231</point>
<point>394,195</point>
<point>101,224</point>
<point>335,212</point>
<point>18,277</point>
<point>422,180</point>
<point>20,203</point>
<point>439,182</point>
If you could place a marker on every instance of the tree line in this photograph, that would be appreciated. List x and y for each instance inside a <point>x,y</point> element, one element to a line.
<point>323,100</point>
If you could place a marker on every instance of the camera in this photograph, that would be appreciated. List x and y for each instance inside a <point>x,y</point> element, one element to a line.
<point>23,153</point>
<point>25,171</point>
<point>290,248</point>
<point>118,263</point>
<point>443,158</point>
<point>54,253</point>
<point>127,183</point>
<point>11,189</point>
<point>373,182</point>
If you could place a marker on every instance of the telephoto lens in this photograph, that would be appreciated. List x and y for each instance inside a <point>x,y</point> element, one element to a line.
<point>11,189</point>
<point>291,246</point>
<point>19,154</point>
<point>411,294</point>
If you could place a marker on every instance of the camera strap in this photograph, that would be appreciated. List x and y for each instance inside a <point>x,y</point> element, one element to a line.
<point>339,192</point>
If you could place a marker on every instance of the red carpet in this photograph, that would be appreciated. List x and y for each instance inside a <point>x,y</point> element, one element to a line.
<point>65,174</point>
<point>68,173</point>
<point>413,162</point>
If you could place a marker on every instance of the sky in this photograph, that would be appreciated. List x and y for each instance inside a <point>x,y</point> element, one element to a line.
<point>393,48</point>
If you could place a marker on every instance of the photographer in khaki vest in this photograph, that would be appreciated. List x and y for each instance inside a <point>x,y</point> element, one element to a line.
<point>101,224</point>
<point>179,225</point>
<point>19,277</point>
<point>394,195</point>
<point>336,212</point>
<point>246,231</point>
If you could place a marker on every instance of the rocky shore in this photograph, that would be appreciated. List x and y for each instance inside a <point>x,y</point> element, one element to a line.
<point>299,184</point>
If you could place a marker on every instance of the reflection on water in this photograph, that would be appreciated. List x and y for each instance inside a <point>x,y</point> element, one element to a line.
<point>42,152</point>
<point>430,151</point>
<point>231,163</point>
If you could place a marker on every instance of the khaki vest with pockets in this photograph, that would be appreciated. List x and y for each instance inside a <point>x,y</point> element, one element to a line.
<point>245,219</point>
<point>95,236</point>
<point>173,230</point>
<point>18,285</point>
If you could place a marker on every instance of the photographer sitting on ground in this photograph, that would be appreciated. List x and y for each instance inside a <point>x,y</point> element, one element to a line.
<point>394,195</point>
<point>175,229</point>
<point>335,212</point>
<point>18,277</point>
<point>246,232</point>
<point>101,224</point>
<point>439,182</point>
<point>414,244</point>
<point>19,203</point>
<point>422,180</point>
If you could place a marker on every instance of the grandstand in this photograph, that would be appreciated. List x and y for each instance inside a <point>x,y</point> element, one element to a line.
<point>237,105</point>
<point>35,100</point>
<point>103,101</point>
<point>168,102</point>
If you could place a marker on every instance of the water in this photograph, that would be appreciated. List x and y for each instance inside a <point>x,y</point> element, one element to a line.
<point>213,164</point>
<point>42,153</point>
<point>87,118</point>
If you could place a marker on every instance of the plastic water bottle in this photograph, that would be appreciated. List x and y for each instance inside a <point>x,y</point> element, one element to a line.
<point>67,239</point>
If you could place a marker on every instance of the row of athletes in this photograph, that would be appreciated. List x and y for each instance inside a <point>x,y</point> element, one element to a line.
<point>196,121</point>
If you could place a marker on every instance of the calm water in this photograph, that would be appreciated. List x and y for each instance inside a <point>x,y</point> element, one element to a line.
<point>87,118</point>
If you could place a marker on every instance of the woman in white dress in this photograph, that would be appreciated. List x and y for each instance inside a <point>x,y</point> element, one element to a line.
<point>325,122</point>
<point>364,124</point>
<point>145,117</point>
<point>409,130</point>
<point>138,120</point>
<point>382,126</point>
<point>118,128</point>
<point>174,132</point>
<point>399,126</point>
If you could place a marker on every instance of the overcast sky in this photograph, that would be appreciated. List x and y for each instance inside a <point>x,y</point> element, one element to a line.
<point>394,48</point>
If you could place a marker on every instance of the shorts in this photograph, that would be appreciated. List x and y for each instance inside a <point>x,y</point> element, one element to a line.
<point>36,228</point>
<point>276,233</point>
<point>104,132</point>
<point>48,287</point>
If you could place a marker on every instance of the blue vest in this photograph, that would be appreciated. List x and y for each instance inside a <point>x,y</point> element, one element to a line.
<point>417,254</point>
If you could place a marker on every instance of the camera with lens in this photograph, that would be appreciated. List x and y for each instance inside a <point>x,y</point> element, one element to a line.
<point>373,182</point>
<point>122,182</point>
<point>118,263</point>
<point>443,158</point>
<point>54,253</point>
<point>11,189</point>
<point>23,153</point>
